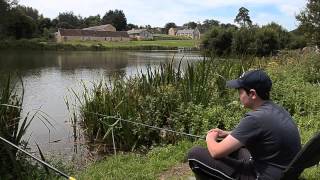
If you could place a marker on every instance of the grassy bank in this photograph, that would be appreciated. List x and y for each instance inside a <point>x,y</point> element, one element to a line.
<point>135,166</point>
<point>194,100</point>
<point>38,44</point>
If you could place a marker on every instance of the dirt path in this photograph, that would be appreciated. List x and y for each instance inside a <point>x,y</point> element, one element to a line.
<point>180,171</point>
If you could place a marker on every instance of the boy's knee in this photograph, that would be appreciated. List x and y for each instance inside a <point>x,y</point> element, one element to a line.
<point>195,152</point>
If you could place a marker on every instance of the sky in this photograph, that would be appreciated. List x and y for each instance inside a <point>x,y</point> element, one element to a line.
<point>159,12</point>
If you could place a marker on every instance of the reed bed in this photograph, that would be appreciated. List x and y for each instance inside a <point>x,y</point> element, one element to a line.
<point>12,128</point>
<point>13,163</point>
<point>189,99</point>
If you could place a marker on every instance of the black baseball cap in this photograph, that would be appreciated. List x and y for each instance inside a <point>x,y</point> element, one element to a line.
<point>254,79</point>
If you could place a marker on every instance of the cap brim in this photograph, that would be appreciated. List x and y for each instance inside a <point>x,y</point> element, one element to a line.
<point>233,84</point>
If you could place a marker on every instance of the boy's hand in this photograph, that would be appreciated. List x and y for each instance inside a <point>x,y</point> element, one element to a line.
<point>221,133</point>
<point>212,135</point>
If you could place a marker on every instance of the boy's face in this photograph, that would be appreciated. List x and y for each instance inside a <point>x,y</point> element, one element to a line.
<point>245,98</point>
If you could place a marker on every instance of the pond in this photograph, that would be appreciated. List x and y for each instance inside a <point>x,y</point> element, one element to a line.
<point>49,77</point>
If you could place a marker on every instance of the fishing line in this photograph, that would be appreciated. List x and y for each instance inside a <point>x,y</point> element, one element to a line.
<point>39,160</point>
<point>141,124</point>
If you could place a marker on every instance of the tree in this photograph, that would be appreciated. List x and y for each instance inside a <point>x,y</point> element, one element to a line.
<point>21,26</point>
<point>207,24</point>
<point>117,18</point>
<point>69,20</point>
<point>267,41</point>
<point>283,34</point>
<point>190,25</point>
<point>5,15</point>
<point>131,26</point>
<point>168,26</point>
<point>44,23</point>
<point>29,11</point>
<point>243,18</point>
<point>92,21</point>
<point>243,40</point>
<point>309,20</point>
<point>218,41</point>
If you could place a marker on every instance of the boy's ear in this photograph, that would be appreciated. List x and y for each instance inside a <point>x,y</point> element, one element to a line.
<point>253,93</point>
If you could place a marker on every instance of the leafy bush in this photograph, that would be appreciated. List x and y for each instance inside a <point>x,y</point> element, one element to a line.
<point>218,41</point>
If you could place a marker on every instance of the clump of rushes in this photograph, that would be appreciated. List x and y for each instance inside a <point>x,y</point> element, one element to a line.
<point>157,97</point>
<point>14,164</point>
<point>12,127</point>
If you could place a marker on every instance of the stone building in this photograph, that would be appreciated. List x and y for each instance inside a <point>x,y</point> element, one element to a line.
<point>172,31</point>
<point>79,34</point>
<point>192,33</point>
<point>140,34</point>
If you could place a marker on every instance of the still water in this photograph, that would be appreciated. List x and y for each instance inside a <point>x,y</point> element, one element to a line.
<point>49,76</point>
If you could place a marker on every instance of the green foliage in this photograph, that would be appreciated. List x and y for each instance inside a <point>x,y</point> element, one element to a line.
<point>243,41</point>
<point>68,20</point>
<point>138,166</point>
<point>266,41</point>
<point>282,34</point>
<point>161,97</point>
<point>12,128</point>
<point>309,19</point>
<point>250,40</point>
<point>297,41</point>
<point>190,25</point>
<point>28,11</point>
<point>169,37</point>
<point>116,18</point>
<point>218,41</point>
<point>208,24</point>
<point>169,25</point>
<point>92,21</point>
<point>243,17</point>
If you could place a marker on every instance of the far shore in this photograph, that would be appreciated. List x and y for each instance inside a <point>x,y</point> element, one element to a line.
<point>37,44</point>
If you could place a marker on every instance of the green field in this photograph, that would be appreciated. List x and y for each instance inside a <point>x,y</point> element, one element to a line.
<point>76,45</point>
<point>163,43</point>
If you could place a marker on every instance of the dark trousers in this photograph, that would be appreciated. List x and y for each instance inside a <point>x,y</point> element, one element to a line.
<point>237,165</point>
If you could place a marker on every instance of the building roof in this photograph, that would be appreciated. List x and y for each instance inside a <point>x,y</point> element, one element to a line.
<point>136,31</point>
<point>80,32</point>
<point>186,31</point>
<point>104,27</point>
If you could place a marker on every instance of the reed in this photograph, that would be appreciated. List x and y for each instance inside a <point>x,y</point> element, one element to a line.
<point>156,98</point>
<point>12,126</point>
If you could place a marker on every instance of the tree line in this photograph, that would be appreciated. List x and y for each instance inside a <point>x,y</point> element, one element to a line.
<point>17,21</point>
<point>251,39</point>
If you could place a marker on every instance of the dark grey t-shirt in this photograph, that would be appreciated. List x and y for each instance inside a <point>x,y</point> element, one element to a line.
<point>272,138</point>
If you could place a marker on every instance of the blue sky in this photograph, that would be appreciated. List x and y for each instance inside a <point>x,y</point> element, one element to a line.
<point>159,12</point>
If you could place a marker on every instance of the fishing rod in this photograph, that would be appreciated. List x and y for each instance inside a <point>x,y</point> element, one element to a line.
<point>39,160</point>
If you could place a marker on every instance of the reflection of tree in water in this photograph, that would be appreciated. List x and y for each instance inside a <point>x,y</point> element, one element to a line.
<point>26,60</point>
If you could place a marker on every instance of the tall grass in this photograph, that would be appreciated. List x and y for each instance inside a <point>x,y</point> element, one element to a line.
<point>13,163</point>
<point>12,127</point>
<point>161,97</point>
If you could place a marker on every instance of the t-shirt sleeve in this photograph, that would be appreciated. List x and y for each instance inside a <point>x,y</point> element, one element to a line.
<point>247,130</point>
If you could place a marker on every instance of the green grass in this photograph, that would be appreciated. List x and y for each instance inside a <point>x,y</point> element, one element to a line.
<point>169,37</point>
<point>163,43</point>
<point>135,166</point>
<point>150,166</point>
<point>38,44</point>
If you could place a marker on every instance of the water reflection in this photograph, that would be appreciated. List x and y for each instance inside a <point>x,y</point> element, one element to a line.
<point>48,75</point>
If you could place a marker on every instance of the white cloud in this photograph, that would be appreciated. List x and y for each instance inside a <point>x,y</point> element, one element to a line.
<point>159,12</point>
